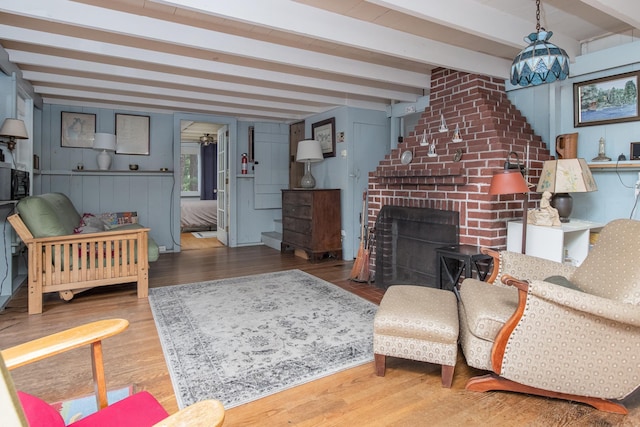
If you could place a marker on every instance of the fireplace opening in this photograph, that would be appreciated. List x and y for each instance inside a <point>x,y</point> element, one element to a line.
<point>406,243</point>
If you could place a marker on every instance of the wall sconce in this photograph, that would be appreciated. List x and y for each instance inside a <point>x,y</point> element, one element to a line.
<point>104,142</point>
<point>13,129</point>
<point>309,151</point>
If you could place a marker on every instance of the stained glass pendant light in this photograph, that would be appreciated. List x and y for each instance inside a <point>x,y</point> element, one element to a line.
<point>541,61</point>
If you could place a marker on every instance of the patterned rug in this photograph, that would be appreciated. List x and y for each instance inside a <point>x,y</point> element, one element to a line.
<point>241,339</point>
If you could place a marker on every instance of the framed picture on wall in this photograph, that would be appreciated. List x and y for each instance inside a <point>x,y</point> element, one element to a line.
<point>133,134</point>
<point>77,129</point>
<point>612,99</point>
<point>325,133</point>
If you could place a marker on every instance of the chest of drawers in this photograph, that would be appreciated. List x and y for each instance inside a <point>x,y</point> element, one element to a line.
<point>311,222</point>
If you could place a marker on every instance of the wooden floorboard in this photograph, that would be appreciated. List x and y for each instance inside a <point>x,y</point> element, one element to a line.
<point>189,242</point>
<point>409,395</point>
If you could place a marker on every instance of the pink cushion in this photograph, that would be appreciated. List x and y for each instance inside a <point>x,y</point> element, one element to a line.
<point>38,412</point>
<point>138,410</point>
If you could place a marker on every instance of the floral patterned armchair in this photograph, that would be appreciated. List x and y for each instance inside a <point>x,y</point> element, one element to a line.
<point>560,331</point>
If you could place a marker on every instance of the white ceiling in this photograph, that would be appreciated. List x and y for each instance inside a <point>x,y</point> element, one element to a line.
<point>276,59</point>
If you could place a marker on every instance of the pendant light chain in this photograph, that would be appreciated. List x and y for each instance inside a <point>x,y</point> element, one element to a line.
<point>541,61</point>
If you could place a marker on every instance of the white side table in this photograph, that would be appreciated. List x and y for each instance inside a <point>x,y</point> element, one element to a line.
<point>552,242</point>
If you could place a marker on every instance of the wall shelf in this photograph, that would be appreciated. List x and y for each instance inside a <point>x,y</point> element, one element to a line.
<point>90,172</point>
<point>611,166</point>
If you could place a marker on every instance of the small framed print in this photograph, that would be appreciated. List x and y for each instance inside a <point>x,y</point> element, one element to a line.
<point>133,134</point>
<point>77,130</point>
<point>634,152</point>
<point>325,133</point>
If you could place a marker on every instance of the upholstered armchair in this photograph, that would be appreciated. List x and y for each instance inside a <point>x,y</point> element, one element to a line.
<point>560,331</point>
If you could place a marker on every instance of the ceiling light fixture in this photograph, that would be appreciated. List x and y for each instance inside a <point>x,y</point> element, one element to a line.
<point>541,61</point>
<point>207,139</point>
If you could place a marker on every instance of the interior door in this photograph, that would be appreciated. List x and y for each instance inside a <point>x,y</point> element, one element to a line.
<point>370,146</point>
<point>296,170</point>
<point>223,185</point>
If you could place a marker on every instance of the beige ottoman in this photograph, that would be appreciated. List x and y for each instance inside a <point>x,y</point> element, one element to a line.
<point>417,323</point>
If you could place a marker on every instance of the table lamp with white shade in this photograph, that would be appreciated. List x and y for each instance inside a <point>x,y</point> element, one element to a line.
<point>104,142</point>
<point>309,151</point>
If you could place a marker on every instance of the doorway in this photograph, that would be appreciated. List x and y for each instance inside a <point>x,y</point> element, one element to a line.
<point>198,181</point>
<point>296,169</point>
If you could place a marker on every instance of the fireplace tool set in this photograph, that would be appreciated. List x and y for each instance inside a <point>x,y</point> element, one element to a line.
<point>360,270</point>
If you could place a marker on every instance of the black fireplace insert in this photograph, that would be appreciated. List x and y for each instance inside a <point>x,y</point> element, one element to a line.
<point>406,243</point>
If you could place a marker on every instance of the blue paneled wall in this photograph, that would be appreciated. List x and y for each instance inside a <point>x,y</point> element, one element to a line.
<point>550,110</point>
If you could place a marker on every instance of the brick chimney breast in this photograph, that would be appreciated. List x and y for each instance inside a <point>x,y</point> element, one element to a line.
<point>490,127</point>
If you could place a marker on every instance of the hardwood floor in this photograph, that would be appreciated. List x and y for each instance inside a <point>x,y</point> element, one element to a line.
<point>409,395</point>
<point>189,242</point>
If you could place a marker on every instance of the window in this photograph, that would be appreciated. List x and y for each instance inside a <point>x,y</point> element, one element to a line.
<point>190,166</point>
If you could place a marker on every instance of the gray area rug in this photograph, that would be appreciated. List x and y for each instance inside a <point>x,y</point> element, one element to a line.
<point>241,339</point>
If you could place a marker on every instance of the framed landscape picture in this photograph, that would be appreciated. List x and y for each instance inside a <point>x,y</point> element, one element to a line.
<point>606,100</point>
<point>325,133</point>
<point>77,129</point>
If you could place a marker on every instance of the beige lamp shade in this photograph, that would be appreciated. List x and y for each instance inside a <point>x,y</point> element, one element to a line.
<point>14,128</point>
<point>309,150</point>
<point>566,176</point>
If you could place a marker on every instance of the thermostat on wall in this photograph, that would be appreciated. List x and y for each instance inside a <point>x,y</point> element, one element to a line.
<point>634,151</point>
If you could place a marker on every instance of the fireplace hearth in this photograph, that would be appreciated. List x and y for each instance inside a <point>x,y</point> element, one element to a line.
<point>406,243</point>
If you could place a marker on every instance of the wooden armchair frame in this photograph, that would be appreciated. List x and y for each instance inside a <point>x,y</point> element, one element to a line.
<point>73,263</point>
<point>204,413</point>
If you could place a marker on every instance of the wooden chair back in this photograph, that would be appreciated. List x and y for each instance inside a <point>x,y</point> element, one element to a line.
<point>10,408</point>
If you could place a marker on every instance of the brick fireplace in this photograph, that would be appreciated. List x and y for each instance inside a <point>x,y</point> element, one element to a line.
<point>491,127</point>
